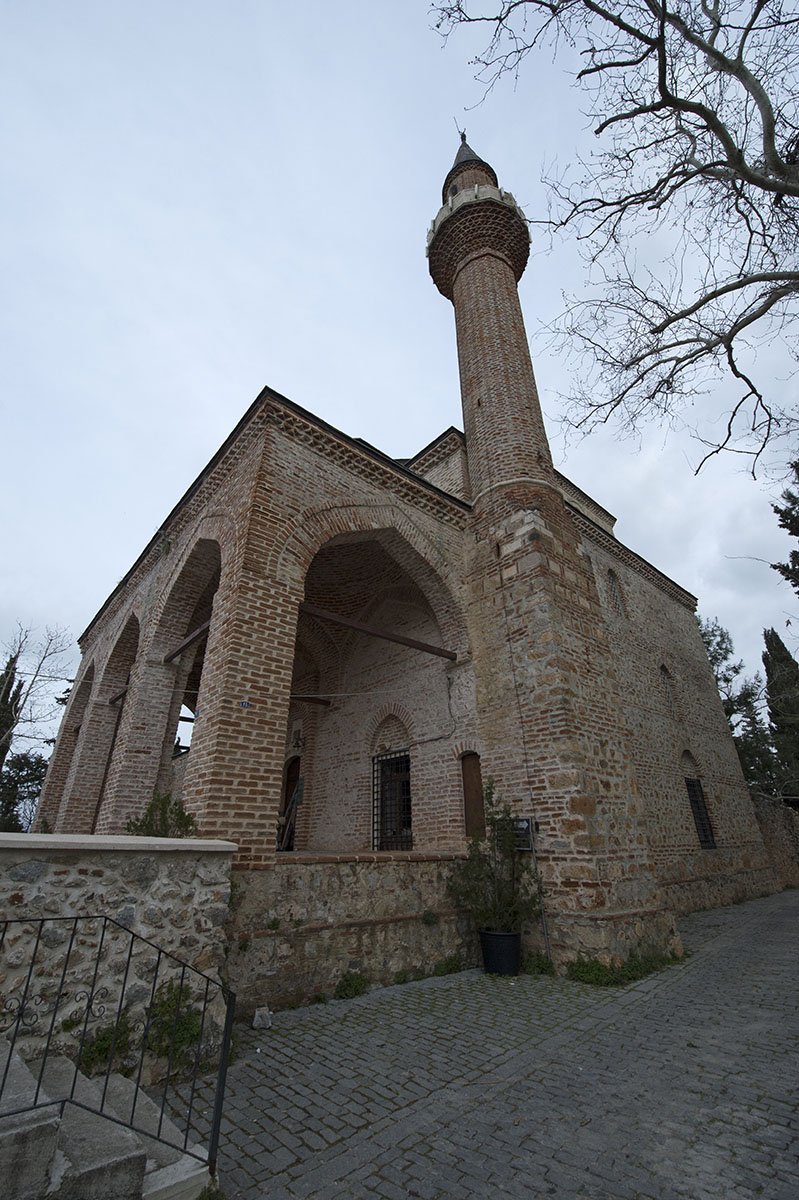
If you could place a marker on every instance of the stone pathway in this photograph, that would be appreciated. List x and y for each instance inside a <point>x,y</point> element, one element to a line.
<point>682,1085</point>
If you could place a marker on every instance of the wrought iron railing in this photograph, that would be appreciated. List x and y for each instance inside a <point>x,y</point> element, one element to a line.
<point>89,990</point>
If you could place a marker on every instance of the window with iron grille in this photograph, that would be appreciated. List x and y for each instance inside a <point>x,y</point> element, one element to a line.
<point>391,801</point>
<point>701,818</point>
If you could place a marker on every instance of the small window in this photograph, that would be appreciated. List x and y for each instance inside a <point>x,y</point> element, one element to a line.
<point>391,801</point>
<point>668,692</point>
<point>614,594</point>
<point>474,816</point>
<point>704,829</point>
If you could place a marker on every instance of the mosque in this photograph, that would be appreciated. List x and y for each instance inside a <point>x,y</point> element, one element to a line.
<point>357,643</point>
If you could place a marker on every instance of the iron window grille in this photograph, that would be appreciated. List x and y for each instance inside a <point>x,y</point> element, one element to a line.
<point>701,817</point>
<point>391,801</point>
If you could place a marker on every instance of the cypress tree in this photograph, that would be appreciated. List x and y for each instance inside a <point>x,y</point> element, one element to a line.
<point>782,696</point>
<point>10,705</point>
<point>788,515</point>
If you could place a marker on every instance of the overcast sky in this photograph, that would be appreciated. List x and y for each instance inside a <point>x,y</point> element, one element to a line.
<point>198,199</point>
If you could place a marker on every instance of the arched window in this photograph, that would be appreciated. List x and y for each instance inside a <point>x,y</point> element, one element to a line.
<point>696,797</point>
<point>668,691</point>
<point>391,795</point>
<point>614,594</point>
<point>474,817</point>
<point>391,787</point>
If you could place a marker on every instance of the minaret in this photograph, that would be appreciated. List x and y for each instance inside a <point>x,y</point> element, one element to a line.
<point>478,247</point>
<point>550,711</point>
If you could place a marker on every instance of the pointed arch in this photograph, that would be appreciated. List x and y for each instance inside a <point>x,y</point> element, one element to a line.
<point>61,770</point>
<point>401,537</point>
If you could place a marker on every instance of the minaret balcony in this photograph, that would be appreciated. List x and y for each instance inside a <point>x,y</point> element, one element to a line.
<point>478,194</point>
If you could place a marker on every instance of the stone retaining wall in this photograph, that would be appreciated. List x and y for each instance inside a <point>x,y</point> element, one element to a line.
<point>779,828</point>
<point>68,977</point>
<point>298,927</point>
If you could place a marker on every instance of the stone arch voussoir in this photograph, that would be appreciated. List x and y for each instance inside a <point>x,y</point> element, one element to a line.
<point>466,746</point>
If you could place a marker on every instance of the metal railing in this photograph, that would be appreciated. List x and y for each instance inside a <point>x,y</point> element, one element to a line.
<point>90,991</point>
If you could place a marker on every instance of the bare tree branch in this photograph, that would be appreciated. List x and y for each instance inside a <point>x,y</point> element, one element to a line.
<point>696,106</point>
<point>39,670</point>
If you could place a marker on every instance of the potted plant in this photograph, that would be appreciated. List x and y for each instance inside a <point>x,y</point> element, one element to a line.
<point>497,883</point>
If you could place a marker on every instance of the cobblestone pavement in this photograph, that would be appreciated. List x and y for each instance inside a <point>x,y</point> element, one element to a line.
<point>681,1085</point>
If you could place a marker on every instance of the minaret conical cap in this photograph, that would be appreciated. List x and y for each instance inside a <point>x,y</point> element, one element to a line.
<point>466,157</point>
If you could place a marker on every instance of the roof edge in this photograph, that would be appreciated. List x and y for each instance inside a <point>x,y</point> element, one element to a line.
<point>265,395</point>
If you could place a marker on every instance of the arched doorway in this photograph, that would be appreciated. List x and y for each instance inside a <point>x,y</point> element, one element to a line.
<point>370,644</point>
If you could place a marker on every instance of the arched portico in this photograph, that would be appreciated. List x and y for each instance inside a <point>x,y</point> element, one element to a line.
<point>370,642</point>
<point>165,678</point>
<point>83,797</point>
<point>61,769</point>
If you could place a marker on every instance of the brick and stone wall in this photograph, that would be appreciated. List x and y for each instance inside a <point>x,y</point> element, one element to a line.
<point>672,707</point>
<point>779,827</point>
<point>297,928</point>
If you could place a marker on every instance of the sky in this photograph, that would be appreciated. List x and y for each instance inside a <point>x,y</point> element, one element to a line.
<point>199,199</point>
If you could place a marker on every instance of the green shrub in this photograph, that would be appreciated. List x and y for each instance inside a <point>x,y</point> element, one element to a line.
<point>537,963</point>
<point>402,976</point>
<point>274,923</point>
<point>164,818</point>
<point>497,883</point>
<point>167,1021</point>
<point>430,918</point>
<point>588,970</point>
<point>96,1051</point>
<point>352,983</point>
<point>211,1191</point>
<point>448,966</point>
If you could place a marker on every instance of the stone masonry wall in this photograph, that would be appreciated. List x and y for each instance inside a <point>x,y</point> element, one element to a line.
<point>173,893</point>
<point>779,826</point>
<point>297,928</point>
<point>672,707</point>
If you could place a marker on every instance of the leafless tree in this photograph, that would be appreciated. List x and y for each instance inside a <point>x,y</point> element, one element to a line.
<point>37,677</point>
<point>696,105</point>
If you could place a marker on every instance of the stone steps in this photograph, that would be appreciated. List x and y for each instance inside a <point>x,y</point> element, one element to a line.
<point>83,1155</point>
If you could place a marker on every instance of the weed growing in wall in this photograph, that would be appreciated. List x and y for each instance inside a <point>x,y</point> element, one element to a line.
<point>98,1046</point>
<point>173,1016</point>
<point>211,1191</point>
<point>588,970</point>
<point>352,983</point>
<point>537,963</point>
<point>448,966</point>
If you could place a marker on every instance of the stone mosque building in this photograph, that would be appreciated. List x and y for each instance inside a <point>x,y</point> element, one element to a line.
<point>358,642</point>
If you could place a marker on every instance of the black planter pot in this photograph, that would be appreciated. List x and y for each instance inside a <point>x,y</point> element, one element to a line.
<point>502,952</point>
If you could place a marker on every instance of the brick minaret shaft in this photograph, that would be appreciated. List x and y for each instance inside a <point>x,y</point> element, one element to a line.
<point>549,710</point>
<point>478,248</point>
